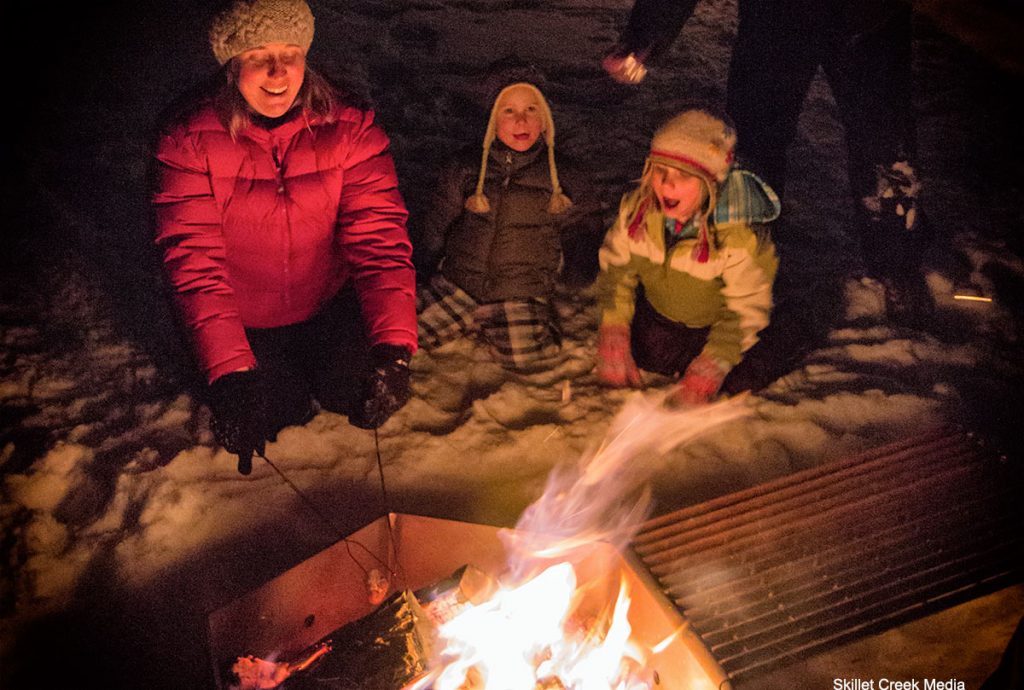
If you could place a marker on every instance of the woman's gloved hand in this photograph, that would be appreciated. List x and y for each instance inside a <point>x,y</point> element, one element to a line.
<point>385,387</point>
<point>700,382</point>
<point>615,365</point>
<point>239,405</point>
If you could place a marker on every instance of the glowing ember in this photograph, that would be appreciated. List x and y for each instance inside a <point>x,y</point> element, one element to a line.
<point>254,673</point>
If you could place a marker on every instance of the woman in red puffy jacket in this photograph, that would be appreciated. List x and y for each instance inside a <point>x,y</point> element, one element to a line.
<point>283,236</point>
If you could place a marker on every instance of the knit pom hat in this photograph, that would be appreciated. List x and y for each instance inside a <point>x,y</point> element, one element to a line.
<point>246,24</point>
<point>696,142</point>
<point>477,202</point>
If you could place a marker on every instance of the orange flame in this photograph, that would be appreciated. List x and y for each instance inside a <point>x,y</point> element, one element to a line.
<point>540,633</point>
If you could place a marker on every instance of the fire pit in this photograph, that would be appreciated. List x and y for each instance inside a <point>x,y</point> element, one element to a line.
<point>293,611</point>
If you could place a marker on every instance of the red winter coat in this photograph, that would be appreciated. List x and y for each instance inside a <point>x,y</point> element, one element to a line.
<point>262,231</point>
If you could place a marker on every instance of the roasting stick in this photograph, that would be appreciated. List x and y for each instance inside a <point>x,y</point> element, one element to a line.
<point>335,530</point>
<point>386,508</point>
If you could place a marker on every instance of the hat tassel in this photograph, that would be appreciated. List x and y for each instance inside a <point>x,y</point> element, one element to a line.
<point>477,202</point>
<point>559,203</point>
<point>702,252</point>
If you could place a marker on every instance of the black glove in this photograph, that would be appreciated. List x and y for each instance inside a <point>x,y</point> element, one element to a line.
<point>385,386</point>
<point>240,412</point>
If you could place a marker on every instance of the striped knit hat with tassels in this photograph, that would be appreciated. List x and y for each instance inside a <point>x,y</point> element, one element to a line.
<point>477,202</point>
<point>700,144</point>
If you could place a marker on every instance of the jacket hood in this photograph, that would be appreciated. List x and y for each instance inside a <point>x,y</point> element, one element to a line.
<point>745,198</point>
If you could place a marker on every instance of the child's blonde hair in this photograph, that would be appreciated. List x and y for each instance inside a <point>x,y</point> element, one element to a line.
<point>699,144</point>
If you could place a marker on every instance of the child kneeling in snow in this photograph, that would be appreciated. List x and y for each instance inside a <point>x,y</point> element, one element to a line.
<point>495,227</point>
<point>687,269</point>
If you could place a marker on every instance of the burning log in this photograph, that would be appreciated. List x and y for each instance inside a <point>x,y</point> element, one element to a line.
<point>385,650</point>
<point>467,586</point>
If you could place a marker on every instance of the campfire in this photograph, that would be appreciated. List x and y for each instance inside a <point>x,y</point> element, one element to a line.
<point>544,642</point>
<point>557,603</point>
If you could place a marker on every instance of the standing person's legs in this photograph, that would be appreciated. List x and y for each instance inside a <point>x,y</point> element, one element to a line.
<point>779,46</point>
<point>869,71</point>
<point>660,344</point>
<point>774,59</point>
<point>522,334</point>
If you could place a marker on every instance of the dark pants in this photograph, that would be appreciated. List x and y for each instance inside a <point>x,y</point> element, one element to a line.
<point>321,359</point>
<point>660,344</point>
<point>667,347</point>
<point>864,49</point>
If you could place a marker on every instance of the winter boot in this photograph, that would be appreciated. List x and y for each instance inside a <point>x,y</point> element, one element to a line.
<point>894,235</point>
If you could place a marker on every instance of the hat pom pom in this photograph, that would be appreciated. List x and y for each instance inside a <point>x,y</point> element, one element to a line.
<point>478,203</point>
<point>559,203</point>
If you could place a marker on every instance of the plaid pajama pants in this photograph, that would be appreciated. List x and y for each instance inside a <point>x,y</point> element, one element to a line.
<point>521,334</point>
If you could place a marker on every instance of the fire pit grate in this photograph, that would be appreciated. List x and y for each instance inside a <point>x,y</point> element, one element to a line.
<point>829,554</point>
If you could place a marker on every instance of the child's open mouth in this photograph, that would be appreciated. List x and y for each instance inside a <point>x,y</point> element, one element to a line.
<point>669,204</point>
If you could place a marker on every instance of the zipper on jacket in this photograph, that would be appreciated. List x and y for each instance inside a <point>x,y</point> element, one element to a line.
<point>498,207</point>
<point>508,169</point>
<point>276,156</point>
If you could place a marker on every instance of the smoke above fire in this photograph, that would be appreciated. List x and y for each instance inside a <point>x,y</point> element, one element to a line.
<point>605,495</point>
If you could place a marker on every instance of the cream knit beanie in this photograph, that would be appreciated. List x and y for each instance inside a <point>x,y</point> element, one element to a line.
<point>477,202</point>
<point>247,24</point>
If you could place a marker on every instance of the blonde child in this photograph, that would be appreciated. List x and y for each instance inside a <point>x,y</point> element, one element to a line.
<point>687,269</point>
<point>493,238</point>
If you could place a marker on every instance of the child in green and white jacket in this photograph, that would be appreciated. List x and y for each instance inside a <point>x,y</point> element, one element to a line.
<point>687,269</point>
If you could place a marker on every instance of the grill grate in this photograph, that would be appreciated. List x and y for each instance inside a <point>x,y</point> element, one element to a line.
<point>826,555</point>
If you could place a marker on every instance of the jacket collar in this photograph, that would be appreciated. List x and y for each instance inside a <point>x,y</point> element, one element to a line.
<point>500,154</point>
<point>285,129</point>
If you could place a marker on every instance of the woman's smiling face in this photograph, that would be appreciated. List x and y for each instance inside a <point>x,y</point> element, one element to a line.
<point>519,118</point>
<point>270,76</point>
<point>679,194</point>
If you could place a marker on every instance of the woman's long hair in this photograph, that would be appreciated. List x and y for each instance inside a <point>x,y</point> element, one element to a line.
<point>317,97</point>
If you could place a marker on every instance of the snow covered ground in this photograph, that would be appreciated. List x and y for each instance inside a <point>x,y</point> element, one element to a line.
<point>123,525</point>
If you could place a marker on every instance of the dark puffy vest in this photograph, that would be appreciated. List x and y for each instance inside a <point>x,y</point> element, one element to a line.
<point>513,251</point>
